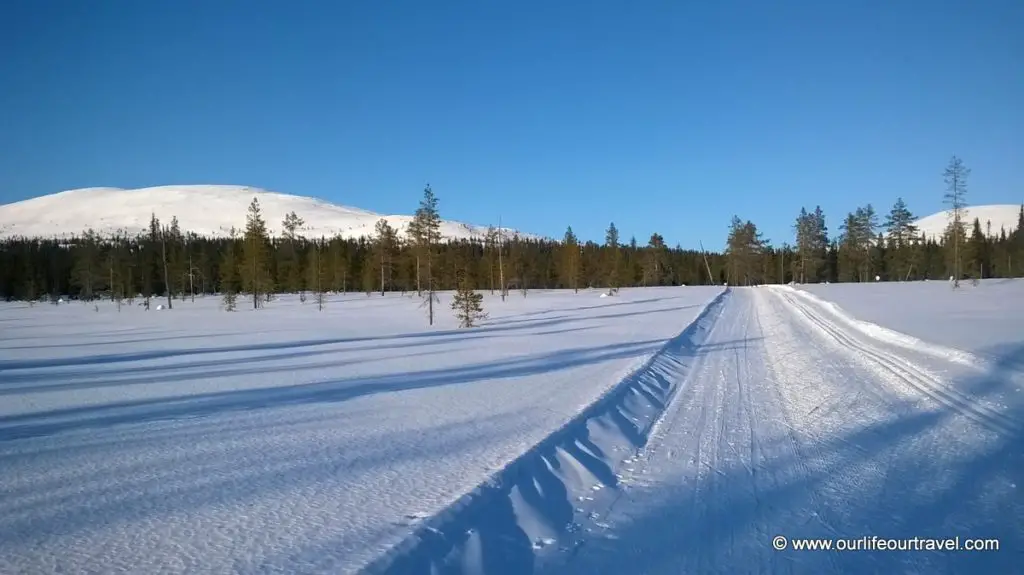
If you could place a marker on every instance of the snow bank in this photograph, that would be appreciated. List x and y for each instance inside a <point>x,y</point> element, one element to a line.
<point>983,321</point>
<point>529,505</point>
<point>887,335</point>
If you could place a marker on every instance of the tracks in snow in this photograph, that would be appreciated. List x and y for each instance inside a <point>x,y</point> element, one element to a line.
<point>779,428</point>
<point>903,370</point>
<point>536,505</point>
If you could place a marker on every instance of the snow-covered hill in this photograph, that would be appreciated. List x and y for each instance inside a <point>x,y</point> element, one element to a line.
<point>205,210</point>
<point>999,215</point>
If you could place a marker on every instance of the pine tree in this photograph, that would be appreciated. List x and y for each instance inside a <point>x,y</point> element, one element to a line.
<point>229,272</point>
<point>611,242</point>
<point>955,177</point>
<point>744,249</point>
<point>467,304</point>
<point>87,264</point>
<point>292,272</point>
<point>571,261</point>
<point>427,226</point>
<point>811,245</point>
<point>654,266</point>
<point>902,232</point>
<point>255,260</point>
<point>490,251</point>
<point>318,273</point>
<point>384,245</point>
<point>977,252</point>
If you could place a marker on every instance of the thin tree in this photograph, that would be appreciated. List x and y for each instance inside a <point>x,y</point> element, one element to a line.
<point>428,227</point>
<point>955,177</point>
<point>163,256</point>
<point>611,242</point>
<point>229,272</point>
<point>571,260</point>
<point>384,244</point>
<point>317,270</point>
<point>501,262</point>
<point>290,226</point>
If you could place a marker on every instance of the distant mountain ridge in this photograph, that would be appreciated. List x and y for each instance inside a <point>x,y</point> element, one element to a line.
<point>207,210</point>
<point>1000,216</point>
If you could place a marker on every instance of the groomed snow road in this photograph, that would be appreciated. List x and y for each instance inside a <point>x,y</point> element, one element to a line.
<point>787,423</point>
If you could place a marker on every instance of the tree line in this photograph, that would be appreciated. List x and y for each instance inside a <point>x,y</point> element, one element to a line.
<point>174,264</point>
<point>868,248</point>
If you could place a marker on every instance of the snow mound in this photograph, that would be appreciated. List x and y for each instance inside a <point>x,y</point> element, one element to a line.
<point>1001,216</point>
<point>207,210</point>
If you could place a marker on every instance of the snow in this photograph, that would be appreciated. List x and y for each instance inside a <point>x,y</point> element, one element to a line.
<point>1000,215</point>
<point>286,439</point>
<point>207,210</point>
<point>771,415</point>
<point>665,430</point>
<point>976,319</point>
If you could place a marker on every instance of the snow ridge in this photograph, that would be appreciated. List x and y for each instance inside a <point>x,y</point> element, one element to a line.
<point>207,210</point>
<point>887,335</point>
<point>507,523</point>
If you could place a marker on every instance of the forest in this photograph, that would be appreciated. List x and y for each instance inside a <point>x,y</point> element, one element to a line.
<point>172,263</point>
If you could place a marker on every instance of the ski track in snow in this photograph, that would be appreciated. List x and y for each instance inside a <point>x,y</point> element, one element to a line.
<point>789,424</point>
<point>560,438</point>
<point>285,440</point>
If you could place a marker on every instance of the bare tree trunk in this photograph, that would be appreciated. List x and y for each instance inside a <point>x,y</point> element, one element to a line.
<point>501,265</point>
<point>167,283</point>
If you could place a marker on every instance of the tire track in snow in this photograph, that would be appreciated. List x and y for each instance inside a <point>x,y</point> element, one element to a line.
<point>917,377</point>
<point>524,509</point>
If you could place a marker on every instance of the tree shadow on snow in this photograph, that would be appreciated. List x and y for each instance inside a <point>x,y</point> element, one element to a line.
<point>450,335</point>
<point>56,421</point>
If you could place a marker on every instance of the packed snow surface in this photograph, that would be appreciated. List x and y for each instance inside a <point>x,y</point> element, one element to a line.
<point>206,210</point>
<point>663,430</point>
<point>1000,216</point>
<point>286,439</point>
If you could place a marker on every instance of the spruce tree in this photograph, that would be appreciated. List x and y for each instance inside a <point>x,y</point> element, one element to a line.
<point>255,260</point>
<point>467,304</point>
<point>902,232</point>
<point>611,242</point>
<point>229,272</point>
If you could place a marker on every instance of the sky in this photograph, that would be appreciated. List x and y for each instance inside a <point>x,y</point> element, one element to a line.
<point>665,116</point>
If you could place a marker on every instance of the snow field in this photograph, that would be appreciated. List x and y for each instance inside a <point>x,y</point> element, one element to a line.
<point>192,440</point>
<point>791,422</point>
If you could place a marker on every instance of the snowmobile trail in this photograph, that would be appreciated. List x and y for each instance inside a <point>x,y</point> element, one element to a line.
<point>786,424</point>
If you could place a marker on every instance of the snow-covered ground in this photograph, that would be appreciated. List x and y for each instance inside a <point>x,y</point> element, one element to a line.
<point>980,319</point>
<point>286,440</point>
<point>667,430</point>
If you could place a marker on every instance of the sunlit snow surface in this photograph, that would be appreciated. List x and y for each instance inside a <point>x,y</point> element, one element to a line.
<point>288,440</point>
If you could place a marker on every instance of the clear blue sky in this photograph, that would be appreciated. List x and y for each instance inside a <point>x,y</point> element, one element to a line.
<point>667,116</point>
